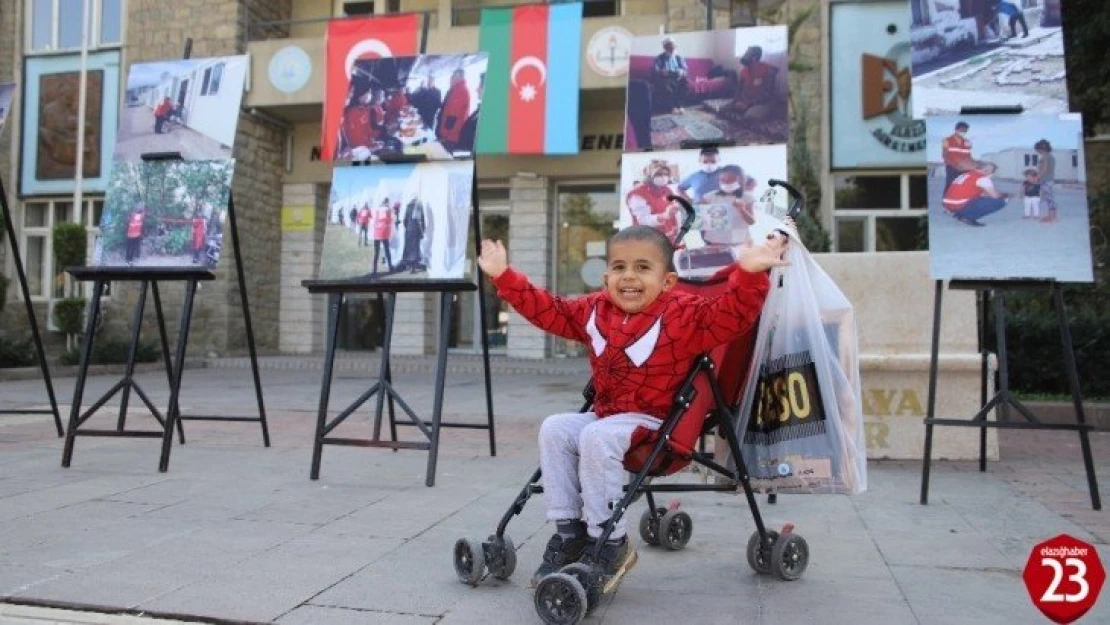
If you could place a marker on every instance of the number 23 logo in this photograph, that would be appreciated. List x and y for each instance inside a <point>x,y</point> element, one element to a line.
<point>1079,577</point>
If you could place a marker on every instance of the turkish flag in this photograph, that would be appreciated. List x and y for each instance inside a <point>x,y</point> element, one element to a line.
<point>349,40</point>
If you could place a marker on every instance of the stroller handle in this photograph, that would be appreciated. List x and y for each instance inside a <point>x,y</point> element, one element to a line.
<point>797,200</point>
<point>688,222</point>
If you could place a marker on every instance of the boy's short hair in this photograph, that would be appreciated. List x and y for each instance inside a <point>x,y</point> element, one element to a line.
<point>709,151</point>
<point>641,232</point>
<point>1030,172</point>
<point>1043,144</point>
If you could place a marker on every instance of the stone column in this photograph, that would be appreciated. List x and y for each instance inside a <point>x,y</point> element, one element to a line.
<point>414,323</point>
<point>529,252</point>
<point>303,317</point>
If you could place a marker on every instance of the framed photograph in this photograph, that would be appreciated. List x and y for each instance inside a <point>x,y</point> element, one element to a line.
<point>412,105</point>
<point>185,106</point>
<point>7,92</point>
<point>48,158</point>
<point>987,54</point>
<point>728,188</point>
<point>1008,198</point>
<point>720,86</point>
<point>164,214</point>
<point>402,221</point>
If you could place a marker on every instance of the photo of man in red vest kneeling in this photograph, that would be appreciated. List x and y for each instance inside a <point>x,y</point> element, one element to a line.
<point>972,195</point>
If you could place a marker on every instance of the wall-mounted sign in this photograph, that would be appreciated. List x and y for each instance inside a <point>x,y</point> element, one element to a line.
<point>872,122</point>
<point>290,69</point>
<point>602,142</point>
<point>608,51</point>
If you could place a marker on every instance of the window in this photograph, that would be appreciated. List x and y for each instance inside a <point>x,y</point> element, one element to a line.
<point>1031,160</point>
<point>469,12</point>
<point>45,281</point>
<point>55,25</point>
<point>211,83</point>
<point>881,212</point>
<point>358,8</point>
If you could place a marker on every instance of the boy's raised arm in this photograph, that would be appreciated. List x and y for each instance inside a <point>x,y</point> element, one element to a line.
<point>564,317</point>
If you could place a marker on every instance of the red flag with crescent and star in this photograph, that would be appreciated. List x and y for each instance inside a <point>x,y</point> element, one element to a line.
<point>349,40</point>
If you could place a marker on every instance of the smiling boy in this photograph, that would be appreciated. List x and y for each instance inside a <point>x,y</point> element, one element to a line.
<point>643,336</point>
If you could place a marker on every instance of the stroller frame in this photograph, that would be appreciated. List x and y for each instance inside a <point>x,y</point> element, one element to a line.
<point>569,595</point>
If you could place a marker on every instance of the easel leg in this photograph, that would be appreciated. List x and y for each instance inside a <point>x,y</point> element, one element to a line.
<point>164,336</point>
<point>335,303</point>
<point>1003,406</point>
<point>1076,394</point>
<point>984,370</point>
<point>82,373</point>
<point>21,275</point>
<point>178,373</point>
<point>931,409</point>
<point>441,375</point>
<point>132,353</point>
<point>388,309</point>
<point>247,320</point>
<point>485,363</point>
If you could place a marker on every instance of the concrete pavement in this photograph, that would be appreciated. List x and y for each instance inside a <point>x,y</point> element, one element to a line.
<point>237,532</point>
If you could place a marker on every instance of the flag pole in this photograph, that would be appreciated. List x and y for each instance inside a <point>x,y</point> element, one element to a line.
<point>82,94</point>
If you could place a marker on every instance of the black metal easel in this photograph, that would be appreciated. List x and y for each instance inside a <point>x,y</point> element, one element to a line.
<point>21,275</point>
<point>986,291</point>
<point>148,278</point>
<point>1004,399</point>
<point>383,387</point>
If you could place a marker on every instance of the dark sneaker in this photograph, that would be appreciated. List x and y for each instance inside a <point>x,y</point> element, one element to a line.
<point>560,552</point>
<point>615,560</point>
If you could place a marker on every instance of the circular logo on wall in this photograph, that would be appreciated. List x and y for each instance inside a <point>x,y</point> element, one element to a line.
<point>290,69</point>
<point>608,51</point>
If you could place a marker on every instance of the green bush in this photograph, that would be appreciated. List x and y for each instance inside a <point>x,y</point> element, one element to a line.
<point>68,313</point>
<point>18,353</point>
<point>111,351</point>
<point>70,245</point>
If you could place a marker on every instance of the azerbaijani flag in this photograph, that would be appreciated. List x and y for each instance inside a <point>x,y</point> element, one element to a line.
<point>530,98</point>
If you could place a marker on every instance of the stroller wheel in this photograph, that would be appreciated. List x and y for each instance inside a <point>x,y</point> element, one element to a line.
<point>560,600</point>
<point>675,530</point>
<point>649,528</point>
<point>589,579</point>
<point>790,557</point>
<point>470,561</point>
<point>759,556</point>
<point>502,557</point>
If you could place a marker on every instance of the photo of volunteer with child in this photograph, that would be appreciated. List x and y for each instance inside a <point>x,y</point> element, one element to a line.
<point>1007,197</point>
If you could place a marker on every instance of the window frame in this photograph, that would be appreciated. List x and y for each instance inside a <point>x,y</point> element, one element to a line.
<point>88,218</point>
<point>96,30</point>
<point>870,216</point>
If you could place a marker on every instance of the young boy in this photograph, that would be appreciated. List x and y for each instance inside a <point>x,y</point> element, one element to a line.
<point>1031,190</point>
<point>643,336</point>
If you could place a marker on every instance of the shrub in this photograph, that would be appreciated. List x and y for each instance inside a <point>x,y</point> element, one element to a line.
<point>70,245</point>
<point>68,313</point>
<point>112,351</point>
<point>18,353</point>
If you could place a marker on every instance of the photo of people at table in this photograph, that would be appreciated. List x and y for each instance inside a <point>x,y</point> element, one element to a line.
<point>726,186</point>
<point>424,105</point>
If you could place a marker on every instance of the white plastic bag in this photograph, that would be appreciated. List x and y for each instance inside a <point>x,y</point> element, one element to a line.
<point>800,420</point>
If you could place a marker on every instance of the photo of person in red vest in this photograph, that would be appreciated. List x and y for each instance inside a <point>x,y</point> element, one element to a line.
<point>162,114</point>
<point>383,231</point>
<point>456,108</point>
<point>956,150</point>
<point>972,195</point>
<point>648,203</point>
<point>364,225</point>
<point>200,229</point>
<point>135,224</point>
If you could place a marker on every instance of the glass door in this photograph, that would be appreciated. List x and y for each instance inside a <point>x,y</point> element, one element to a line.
<point>586,217</point>
<point>466,328</point>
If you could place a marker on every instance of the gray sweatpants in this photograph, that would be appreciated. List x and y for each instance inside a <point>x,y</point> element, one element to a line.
<point>582,458</point>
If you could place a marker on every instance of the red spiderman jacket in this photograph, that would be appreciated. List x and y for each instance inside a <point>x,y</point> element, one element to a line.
<point>639,360</point>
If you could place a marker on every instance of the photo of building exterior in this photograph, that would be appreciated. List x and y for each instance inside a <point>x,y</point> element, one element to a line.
<point>874,201</point>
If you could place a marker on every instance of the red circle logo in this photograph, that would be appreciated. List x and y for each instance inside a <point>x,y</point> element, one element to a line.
<point>1064,576</point>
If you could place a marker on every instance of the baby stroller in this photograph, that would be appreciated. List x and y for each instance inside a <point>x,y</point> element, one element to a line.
<point>706,401</point>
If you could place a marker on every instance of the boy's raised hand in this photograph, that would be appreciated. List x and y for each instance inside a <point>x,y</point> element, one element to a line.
<point>494,260</point>
<point>770,253</point>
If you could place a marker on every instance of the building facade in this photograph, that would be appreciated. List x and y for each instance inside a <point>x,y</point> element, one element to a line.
<point>550,211</point>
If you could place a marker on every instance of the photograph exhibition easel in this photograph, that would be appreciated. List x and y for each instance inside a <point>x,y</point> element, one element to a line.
<point>383,388</point>
<point>148,278</point>
<point>1004,399</point>
<point>44,366</point>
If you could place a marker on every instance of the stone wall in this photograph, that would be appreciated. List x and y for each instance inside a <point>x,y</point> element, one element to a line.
<point>9,38</point>
<point>303,315</point>
<point>530,227</point>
